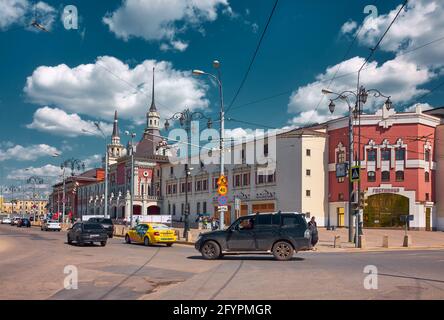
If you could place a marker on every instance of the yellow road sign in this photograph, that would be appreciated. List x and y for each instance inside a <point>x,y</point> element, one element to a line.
<point>222,181</point>
<point>222,190</point>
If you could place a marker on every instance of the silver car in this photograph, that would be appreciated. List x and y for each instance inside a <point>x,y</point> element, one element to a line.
<point>51,225</point>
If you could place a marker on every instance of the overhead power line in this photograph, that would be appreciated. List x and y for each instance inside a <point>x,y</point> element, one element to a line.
<point>254,57</point>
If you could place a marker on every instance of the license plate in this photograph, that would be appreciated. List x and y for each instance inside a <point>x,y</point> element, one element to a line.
<point>166,239</point>
<point>95,235</point>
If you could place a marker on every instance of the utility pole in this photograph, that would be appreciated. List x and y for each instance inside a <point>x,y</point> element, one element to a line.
<point>132,136</point>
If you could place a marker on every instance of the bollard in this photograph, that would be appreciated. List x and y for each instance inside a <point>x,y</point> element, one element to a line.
<point>337,242</point>
<point>361,242</point>
<point>407,241</point>
<point>189,237</point>
<point>385,241</point>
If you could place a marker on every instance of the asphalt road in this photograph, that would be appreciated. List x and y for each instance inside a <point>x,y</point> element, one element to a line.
<point>32,265</point>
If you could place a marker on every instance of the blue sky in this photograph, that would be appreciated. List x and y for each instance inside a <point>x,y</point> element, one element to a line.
<point>55,83</point>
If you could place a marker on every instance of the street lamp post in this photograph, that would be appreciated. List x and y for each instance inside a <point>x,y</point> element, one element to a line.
<point>99,128</point>
<point>13,189</point>
<point>216,65</point>
<point>73,164</point>
<point>132,136</point>
<point>185,118</point>
<point>34,180</point>
<point>360,99</point>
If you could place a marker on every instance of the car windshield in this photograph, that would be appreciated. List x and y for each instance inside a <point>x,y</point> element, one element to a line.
<point>92,226</point>
<point>105,221</point>
<point>53,221</point>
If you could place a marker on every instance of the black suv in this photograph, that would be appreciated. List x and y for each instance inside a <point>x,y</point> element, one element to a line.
<point>278,233</point>
<point>106,223</point>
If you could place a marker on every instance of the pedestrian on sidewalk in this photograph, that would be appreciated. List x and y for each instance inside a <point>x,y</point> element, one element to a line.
<point>313,227</point>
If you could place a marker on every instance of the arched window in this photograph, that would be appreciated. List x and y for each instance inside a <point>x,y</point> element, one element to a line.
<point>385,176</point>
<point>427,176</point>
<point>427,155</point>
<point>399,175</point>
<point>371,155</point>
<point>371,176</point>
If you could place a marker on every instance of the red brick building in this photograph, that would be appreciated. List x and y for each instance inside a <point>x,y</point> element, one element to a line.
<point>398,168</point>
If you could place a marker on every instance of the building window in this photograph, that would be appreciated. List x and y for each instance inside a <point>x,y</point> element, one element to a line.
<point>385,154</point>
<point>427,176</point>
<point>427,196</point>
<point>385,176</point>
<point>371,176</point>
<point>400,154</point>
<point>237,180</point>
<point>399,176</point>
<point>341,196</point>
<point>308,193</point>
<point>198,185</point>
<point>174,209</point>
<point>371,155</point>
<point>341,157</point>
<point>171,170</point>
<point>427,155</point>
<point>182,187</point>
<point>308,153</point>
<point>198,208</point>
<point>266,149</point>
<point>169,208</point>
<point>246,179</point>
<point>182,207</point>
<point>190,186</point>
<point>308,172</point>
<point>341,179</point>
<point>174,188</point>
<point>204,207</point>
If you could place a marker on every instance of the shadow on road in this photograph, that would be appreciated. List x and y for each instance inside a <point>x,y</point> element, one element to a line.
<point>245,258</point>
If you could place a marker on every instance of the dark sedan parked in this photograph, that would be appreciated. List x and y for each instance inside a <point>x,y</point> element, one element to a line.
<point>25,223</point>
<point>87,232</point>
<point>278,233</point>
<point>106,223</point>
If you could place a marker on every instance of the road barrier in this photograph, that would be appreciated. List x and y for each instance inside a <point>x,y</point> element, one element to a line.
<point>337,242</point>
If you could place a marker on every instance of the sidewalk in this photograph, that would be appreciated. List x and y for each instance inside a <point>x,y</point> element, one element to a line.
<point>373,238</point>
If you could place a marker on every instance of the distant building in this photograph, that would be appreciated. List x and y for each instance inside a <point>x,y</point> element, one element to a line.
<point>39,207</point>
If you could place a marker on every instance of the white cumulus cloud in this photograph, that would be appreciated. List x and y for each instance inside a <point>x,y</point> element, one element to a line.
<point>31,152</point>
<point>108,84</point>
<point>156,20</point>
<point>58,122</point>
<point>23,12</point>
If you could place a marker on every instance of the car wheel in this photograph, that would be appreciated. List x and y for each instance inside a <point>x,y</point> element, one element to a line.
<point>103,243</point>
<point>80,243</point>
<point>146,241</point>
<point>211,250</point>
<point>169,244</point>
<point>283,251</point>
<point>127,239</point>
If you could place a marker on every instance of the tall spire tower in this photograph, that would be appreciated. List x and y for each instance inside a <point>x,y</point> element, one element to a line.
<point>148,145</point>
<point>115,148</point>
<point>152,117</point>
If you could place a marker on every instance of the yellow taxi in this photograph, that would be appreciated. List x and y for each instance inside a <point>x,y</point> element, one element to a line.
<point>151,233</point>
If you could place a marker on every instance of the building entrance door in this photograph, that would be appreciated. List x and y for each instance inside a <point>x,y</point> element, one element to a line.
<point>384,210</point>
<point>428,219</point>
<point>341,217</point>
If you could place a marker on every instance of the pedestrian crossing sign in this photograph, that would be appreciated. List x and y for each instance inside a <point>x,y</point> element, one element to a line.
<point>355,173</point>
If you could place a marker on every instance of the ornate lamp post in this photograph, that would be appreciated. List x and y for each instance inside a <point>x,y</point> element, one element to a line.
<point>185,118</point>
<point>34,180</point>
<point>73,164</point>
<point>132,136</point>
